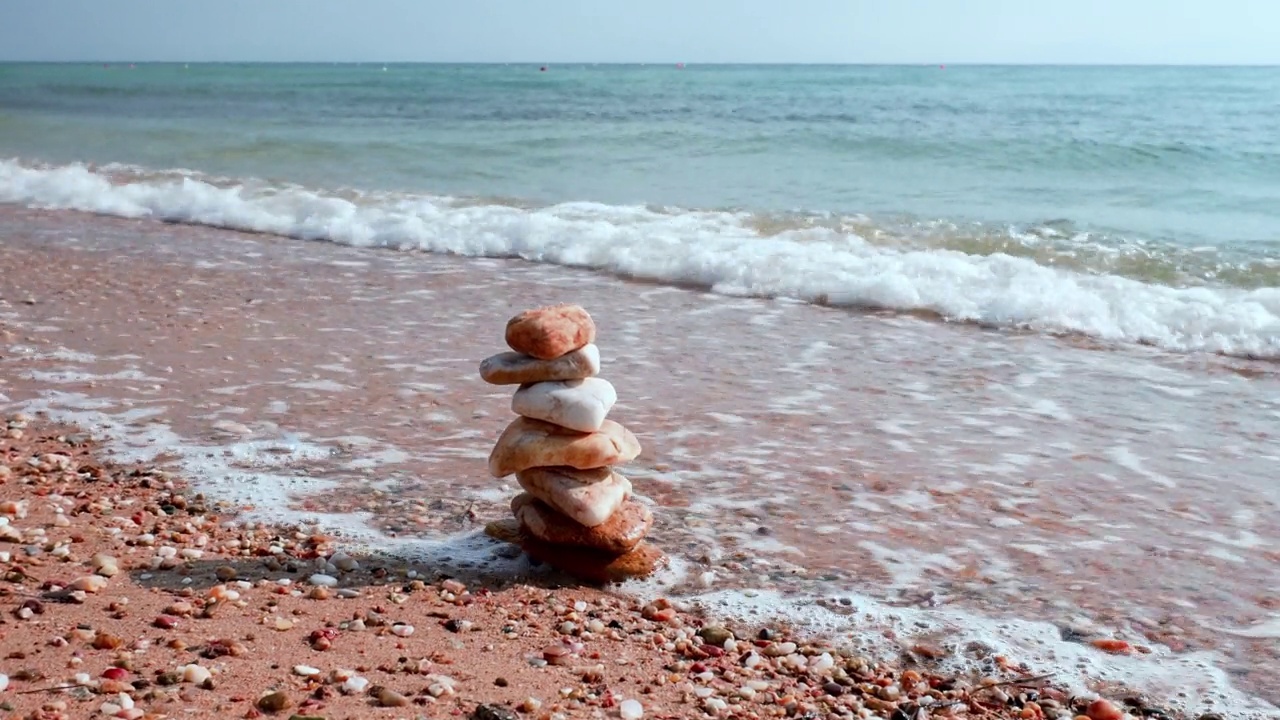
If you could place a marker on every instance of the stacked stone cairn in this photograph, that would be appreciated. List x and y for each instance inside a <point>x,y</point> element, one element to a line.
<point>576,512</point>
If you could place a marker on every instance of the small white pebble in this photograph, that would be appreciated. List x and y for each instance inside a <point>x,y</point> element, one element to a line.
<point>631,710</point>
<point>354,685</point>
<point>323,580</point>
<point>305,670</point>
<point>4,682</point>
<point>82,678</point>
<point>195,674</point>
<point>715,704</point>
<point>402,629</point>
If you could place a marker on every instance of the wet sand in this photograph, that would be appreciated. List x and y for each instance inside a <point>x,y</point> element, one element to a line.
<point>926,474</point>
<point>127,596</point>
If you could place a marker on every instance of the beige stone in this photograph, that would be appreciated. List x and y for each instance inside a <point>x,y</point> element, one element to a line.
<point>618,534</point>
<point>530,443</point>
<point>512,368</point>
<point>589,503</point>
<point>550,332</point>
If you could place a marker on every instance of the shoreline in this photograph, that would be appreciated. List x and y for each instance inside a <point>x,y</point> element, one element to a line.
<point>861,476</point>
<point>97,553</point>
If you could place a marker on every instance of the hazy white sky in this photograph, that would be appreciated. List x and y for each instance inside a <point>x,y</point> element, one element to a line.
<point>831,31</point>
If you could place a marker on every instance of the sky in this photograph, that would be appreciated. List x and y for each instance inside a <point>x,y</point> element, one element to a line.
<point>693,31</point>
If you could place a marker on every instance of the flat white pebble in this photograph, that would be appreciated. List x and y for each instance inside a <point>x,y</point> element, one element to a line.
<point>631,710</point>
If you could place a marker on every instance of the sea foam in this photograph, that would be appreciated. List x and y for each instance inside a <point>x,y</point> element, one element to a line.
<point>717,250</point>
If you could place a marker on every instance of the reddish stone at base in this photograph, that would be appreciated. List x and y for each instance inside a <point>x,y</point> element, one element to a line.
<point>582,563</point>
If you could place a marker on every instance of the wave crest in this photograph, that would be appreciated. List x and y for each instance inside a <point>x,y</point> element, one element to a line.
<point>845,263</point>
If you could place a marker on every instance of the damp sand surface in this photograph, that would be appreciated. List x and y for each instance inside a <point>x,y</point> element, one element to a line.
<point>877,468</point>
<point>133,597</point>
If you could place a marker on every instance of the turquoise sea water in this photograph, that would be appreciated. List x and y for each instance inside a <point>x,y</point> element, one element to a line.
<point>1166,176</point>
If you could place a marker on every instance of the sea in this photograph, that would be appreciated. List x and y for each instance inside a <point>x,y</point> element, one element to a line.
<point>986,353</point>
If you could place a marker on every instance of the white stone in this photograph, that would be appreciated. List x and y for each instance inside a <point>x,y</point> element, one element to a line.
<point>195,674</point>
<point>631,710</point>
<point>588,504</point>
<point>4,682</point>
<point>580,405</point>
<point>354,685</point>
<point>305,670</point>
<point>323,580</point>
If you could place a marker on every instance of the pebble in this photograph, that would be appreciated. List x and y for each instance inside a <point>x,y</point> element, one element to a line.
<point>391,698</point>
<point>323,580</point>
<point>781,649</point>
<point>344,562</point>
<point>714,635</point>
<point>273,702</point>
<point>354,685</point>
<point>492,712</point>
<point>305,670</point>
<point>348,593</point>
<point>4,682</point>
<point>557,655</point>
<point>195,674</point>
<point>226,573</point>
<point>631,710</point>
<point>89,583</point>
<point>402,630</point>
<point>1103,710</point>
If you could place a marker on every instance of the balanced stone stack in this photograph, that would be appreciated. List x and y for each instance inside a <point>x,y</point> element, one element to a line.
<point>576,512</point>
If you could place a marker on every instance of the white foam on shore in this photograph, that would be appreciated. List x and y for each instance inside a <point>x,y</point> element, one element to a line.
<point>1195,681</point>
<point>716,250</point>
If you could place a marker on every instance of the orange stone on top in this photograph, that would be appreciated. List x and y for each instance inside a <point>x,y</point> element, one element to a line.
<point>548,332</point>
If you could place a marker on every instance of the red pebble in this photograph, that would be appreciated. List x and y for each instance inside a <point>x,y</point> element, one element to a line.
<point>165,622</point>
<point>1102,710</point>
<point>1115,647</point>
<point>115,673</point>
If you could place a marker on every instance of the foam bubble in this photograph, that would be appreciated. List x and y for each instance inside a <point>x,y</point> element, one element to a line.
<point>716,250</point>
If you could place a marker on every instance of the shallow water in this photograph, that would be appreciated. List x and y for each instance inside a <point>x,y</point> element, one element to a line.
<point>858,471</point>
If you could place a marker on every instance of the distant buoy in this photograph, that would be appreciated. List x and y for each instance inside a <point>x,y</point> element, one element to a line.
<point>542,69</point>
<point>680,66</point>
<point>942,67</point>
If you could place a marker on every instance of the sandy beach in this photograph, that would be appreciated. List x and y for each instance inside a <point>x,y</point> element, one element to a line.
<point>127,596</point>
<point>879,488</point>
